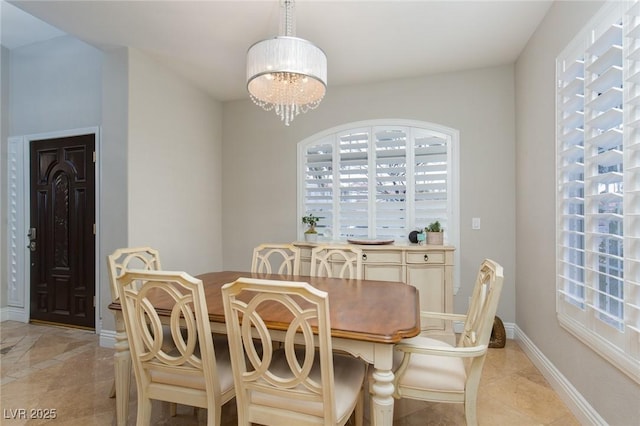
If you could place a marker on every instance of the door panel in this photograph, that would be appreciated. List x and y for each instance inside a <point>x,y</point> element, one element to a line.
<point>63,215</point>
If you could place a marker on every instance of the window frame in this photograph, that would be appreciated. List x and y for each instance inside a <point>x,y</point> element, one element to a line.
<point>452,231</point>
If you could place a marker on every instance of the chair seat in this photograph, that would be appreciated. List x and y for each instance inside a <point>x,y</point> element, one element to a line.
<point>349,374</point>
<point>223,364</point>
<point>432,372</point>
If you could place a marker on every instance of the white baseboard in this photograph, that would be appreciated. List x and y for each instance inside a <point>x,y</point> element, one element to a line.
<point>579,406</point>
<point>10,313</point>
<point>509,327</point>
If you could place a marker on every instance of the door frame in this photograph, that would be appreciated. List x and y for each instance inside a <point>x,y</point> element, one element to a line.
<point>19,310</point>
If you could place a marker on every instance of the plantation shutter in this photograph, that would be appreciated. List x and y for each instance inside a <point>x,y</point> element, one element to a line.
<point>571,179</point>
<point>603,183</point>
<point>380,181</point>
<point>632,178</point>
<point>598,172</point>
<point>318,181</point>
<point>390,187</point>
<point>431,171</point>
<point>353,175</point>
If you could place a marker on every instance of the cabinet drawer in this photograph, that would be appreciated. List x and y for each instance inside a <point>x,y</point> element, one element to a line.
<point>425,257</point>
<point>380,256</point>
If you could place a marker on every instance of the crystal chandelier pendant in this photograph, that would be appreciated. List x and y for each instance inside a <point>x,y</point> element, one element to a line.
<point>286,74</point>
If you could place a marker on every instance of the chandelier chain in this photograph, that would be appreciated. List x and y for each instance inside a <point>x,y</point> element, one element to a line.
<point>289,25</point>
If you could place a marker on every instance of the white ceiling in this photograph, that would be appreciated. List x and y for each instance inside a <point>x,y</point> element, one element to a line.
<point>365,41</point>
<point>20,29</point>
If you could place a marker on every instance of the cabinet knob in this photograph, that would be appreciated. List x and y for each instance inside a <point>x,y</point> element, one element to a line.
<point>364,256</point>
<point>426,257</point>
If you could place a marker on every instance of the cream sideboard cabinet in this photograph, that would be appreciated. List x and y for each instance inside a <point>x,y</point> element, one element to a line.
<point>429,268</point>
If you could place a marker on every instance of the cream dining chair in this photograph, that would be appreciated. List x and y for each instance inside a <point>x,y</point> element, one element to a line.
<point>301,384</point>
<point>431,370</point>
<point>144,258</point>
<point>281,259</point>
<point>192,372</point>
<point>336,261</point>
<point>121,260</point>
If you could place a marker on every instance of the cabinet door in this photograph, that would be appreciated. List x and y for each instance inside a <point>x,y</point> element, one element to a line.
<point>429,279</point>
<point>383,272</point>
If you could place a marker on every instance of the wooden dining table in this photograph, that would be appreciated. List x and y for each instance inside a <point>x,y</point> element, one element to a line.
<point>367,318</point>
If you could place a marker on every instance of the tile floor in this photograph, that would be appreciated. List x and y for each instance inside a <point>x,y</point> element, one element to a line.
<point>63,369</point>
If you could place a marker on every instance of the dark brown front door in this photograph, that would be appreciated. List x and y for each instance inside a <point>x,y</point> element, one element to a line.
<point>62,230</point>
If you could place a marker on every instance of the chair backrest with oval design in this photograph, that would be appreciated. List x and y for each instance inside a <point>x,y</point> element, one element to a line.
<point>145,258</point>
<point>281,259</point>
<point>295,384</point>
<point>336,261</point>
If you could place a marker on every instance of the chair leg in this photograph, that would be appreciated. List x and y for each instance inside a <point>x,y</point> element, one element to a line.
<point>173,409</point>
<point>470,413</point>
<point>360,409</point>
<point>242,419</point>
<point>112,392</point>
<point>214,415</point>
<point>144,411</point>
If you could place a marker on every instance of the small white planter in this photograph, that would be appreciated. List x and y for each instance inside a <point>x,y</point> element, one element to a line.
<point>311,238</point>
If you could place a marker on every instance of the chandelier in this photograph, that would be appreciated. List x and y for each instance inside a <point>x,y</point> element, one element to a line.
<point>285,73</point>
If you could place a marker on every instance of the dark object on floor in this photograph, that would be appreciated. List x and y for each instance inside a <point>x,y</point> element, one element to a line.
<point>498,335</point>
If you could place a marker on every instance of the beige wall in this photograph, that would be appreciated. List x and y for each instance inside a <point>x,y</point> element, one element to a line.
<point>612,394</point>
<point>259,163</point>
<point>174,168</point>
<point>160,167</point>
<point>112,158</point>
<point>160,156</point>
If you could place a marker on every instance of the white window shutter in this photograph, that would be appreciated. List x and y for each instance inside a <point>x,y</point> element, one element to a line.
<point>319,182</point>
<point>631,181</point>
<point>380,181</point>
<point>598,175</point>
<point>390,184</point>
<point>353,174</point>
<point>432,175</point>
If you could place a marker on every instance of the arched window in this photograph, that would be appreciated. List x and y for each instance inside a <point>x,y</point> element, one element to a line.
<point>380,179</point>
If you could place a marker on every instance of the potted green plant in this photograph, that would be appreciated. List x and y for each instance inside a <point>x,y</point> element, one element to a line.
<point>435,233</point>
<point>311,221</point>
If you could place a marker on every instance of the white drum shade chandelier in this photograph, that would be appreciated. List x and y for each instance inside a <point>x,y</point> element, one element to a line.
<point>285,73</point>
